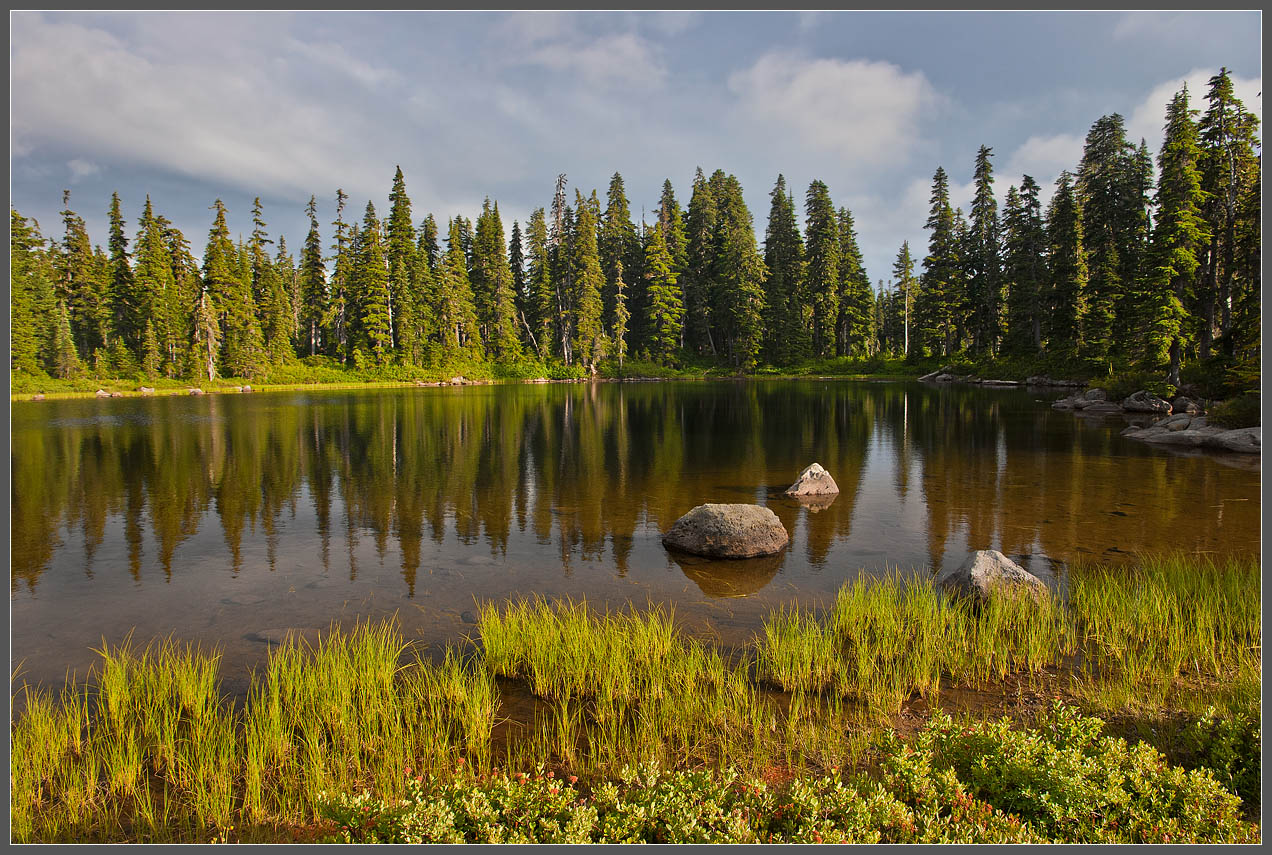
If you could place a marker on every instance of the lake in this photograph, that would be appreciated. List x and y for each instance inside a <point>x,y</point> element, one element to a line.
<point>226,519</point>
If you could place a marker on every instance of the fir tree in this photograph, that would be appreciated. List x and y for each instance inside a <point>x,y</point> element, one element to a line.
<point>371,281</point>
<point>588,280</point>
<point>855,328</point>
<point>313,286</point>
<point>1024,268</point>
<point>1068,278</point>
<point>937,301</point>
<point>517,264</point>
<point>492,287</point>
<point>666,306</point>
<point>738,274</point>
<point>126,311</point>
<point>617,243</point>
<point>542,295</point>
<point>155,282</point>
<point>907,289</point>
<point>821,232</point>
<point>79,285</point>
<point>1180,235</point>
<point>787,338</point>
<point>983,260</point>
<point>336,319</point>
<point>700,254</point>
<point>399,252</point>
<point>621,315</point>
<point>456,315</point>
<point>66,362</point>
<point>150,357</point>
<point>32,299</point>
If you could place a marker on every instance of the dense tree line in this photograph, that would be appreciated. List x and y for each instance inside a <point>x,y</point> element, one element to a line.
<point>1118,268</point>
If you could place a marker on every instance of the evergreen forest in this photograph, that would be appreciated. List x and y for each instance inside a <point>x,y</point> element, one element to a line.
<point>1133,265</point>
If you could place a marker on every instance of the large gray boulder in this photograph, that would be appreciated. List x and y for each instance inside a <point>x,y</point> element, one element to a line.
<point>728,531</point>
<point>986,573</point>
<point>814,481</point>
<point>1146,402</point>
<point>1184,404</point>
<point>1244,440</point>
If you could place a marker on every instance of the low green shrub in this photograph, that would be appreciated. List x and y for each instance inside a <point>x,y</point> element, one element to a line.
<point>1240,412</point>
<point>1123,384</point>
<point>984,782</point>
<point>1230,747</point>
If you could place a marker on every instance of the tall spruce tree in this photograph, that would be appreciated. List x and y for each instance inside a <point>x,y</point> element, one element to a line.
<point>666,305</point>
<point>456,315</point>
<point>1181,234</point>
<point>821,233</point>
<point>336,319</point>
<point>787,338</point>
<point>738,274</point>
<point>937,303</point>
<point>126,311</point>
<point>1024,268</point>
<point>700,254</point>
<point>1068,286</point>
<point>542,294</point>
<point>399,250</point>
<point>907,289</point>
<point>80,286</point>
<point>854,328</point>
<point>156,291</point>
<point>589,331</point>
<point>983,260</point>
<point>517,263</point>
<point>32,300</point>
<point>492,287</point>
<point>313,286</point>
<point>617,243</point>
<point>370,280</point>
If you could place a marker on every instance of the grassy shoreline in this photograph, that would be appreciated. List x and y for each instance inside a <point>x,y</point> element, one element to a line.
<point>152,750</point>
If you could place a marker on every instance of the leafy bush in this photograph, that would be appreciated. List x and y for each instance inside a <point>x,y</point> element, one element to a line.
<point>1122,385</point>
<point>1070,783</point>
<point>975,783</point>
<point>1241,412</point>
<point>1230,747</point>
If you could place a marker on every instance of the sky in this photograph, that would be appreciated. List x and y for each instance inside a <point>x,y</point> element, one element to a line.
<point>192,107</point>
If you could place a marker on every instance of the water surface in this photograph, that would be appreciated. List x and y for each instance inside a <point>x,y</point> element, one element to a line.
<point>224,519</point>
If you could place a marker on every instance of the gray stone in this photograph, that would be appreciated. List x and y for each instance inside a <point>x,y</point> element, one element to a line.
<point>196,391</point>
<point>1095,395</point>
<point>728,531</point>
<point>1244,440</point>
<point>1184,404</point>
<point>145,390</point>
<point>931,375</point>
<point>1179,421</point>
<point>102,393</point>
<point>986,573</point>
<point>38,396</point>
<point>1188,438</point>
<point>813,481</point>
<point>1000,382</point>
<point>944,378</point>
<point>1145,402</point>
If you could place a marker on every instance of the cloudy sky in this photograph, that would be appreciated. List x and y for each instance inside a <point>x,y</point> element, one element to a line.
<point>194,107</point>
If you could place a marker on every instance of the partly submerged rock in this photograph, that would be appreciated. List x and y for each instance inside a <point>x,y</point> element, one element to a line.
<point>1184,404</point>
<point>813,481</point>
<point>1244,440</point>
<point>986,573</point>
<point>102,393</point>
<point>728,531</point>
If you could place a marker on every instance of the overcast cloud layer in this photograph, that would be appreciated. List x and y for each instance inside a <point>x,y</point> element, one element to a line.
<point>194,107</point>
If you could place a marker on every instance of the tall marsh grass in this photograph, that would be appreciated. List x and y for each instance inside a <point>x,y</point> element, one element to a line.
<point>150,751</point>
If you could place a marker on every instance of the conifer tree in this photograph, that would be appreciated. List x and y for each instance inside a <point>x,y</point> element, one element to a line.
<point>1180,235</point>
<point>666,306</point>
<point>821,234</point>
<point>455,312</point>
<point>269,292</point>
<point>1229,168</point>
<point>983,260</point>
<point>1068,290</point>
<point>616,243</point>
<point>371,282</point>
<point>937,301</point>
<point>1024,268</point>
<point>738,274</point>
<point>429,246</point>
<point>66,361</point>
<point>700,254</point>
<point>907,290</point>
<point>155,287</point>
<point>855,328</point>
<point>79,286</point>
<point>787,338</point>
<point>492,287</point>
<point>542,294</point>
<point>229,286</point>
<point>336,319</point>
<point>399,252</point>
<point>589,331</point>
<point>126,312</point>
<point>517,264</point>
<point>150,356</point>
<point>621,314</point>
<point>313,286</point>
<point>32,299</point>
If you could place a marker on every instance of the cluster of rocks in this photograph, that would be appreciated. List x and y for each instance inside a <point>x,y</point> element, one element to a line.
<point>947,375</point>
<point>102,393</point>
<point>1181,422</point>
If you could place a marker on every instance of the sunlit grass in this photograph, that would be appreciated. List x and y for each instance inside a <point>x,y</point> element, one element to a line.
<point>149,750</point>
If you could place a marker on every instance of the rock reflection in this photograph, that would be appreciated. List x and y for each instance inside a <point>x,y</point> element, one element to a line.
<point>720,579</point>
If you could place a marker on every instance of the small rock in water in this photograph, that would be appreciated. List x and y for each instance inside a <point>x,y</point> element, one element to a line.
<point>37,397</point>
<point>813,481</point>
<point>468,617</point>
<point>275,635</point>
<point>102,393</point>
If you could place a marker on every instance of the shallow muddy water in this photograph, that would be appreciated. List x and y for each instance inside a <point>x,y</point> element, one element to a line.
<point>227,519</point>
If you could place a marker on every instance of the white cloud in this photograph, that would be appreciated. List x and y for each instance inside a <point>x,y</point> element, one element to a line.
<point>239,123</point>
<point>337,58</point>
<point>624,58</point>
<point>862,111</point>
<point>81,169</point>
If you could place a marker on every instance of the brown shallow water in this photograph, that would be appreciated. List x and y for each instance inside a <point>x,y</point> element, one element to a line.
<point>225,519</point>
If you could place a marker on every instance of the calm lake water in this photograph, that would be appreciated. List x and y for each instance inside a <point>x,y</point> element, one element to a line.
<point>226,518</point>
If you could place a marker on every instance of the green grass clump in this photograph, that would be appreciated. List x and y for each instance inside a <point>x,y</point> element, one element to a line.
<point>1240,412</point>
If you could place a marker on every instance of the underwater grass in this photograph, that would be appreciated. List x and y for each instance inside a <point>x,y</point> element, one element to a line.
<point>150,751</point>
